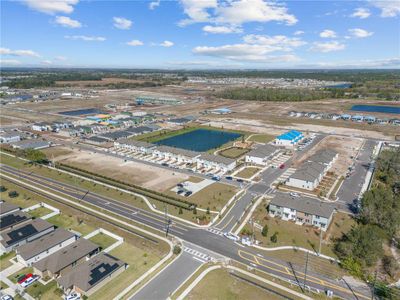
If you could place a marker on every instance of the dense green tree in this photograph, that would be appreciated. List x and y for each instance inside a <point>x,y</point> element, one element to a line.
<point>264,231</point>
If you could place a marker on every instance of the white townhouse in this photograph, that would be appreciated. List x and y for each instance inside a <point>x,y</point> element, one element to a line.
<point>175,155</point>
<point>216,162</point>
<point>261,155</point>
<point>135,146</point>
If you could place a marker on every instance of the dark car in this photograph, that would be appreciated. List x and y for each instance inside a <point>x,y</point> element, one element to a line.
<point>180,185</point>
<point>164,164</point>
<point>180,192</point>
<point>282,166</point>
<point>228,177</point>
<point>239,180</point>
<point>188,193</point>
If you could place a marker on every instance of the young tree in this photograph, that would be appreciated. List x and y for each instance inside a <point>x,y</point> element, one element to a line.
<point>3,188</point>
<point>180,211</point>
<point>13,194</point>
<point>274,237</point>
<point>264,231</point>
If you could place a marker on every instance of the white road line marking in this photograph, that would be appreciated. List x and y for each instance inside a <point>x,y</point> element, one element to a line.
<point>194,257</point>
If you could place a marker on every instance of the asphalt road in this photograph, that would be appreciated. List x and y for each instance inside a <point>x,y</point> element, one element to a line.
<point>200,237</point>
<point>351,186</point>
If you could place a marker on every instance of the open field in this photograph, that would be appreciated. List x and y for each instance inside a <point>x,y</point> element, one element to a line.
<point>5,259</point>
<point>261,138</point>
<point>130,172</point>
<point>214,196</point>
<point>220,284</point>
<point>248,172</point>
<point>71,222</point>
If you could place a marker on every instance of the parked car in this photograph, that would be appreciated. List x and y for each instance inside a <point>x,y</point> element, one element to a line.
<point>188,193</point>
<point>282,166</point>
<point>216,178</point>
<point>294,194</point>
<point>228,177</point>
<point>164,164</point>
<point>24,277</point>
<point>179,185</point>
<point>6,297</point>
<point>239,180</point>
<point>73,296</point>
<point>29,281</point>
<point>231,236</point>
<point>180,192</point>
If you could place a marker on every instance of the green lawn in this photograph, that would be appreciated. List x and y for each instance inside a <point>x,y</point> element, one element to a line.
<point>49,291</point>
<point>24,199</point>
<point>69,221</point>
<point>3,286</point>
<point>248,172</point>
<point>219,284</point>
<point>40,212</point>
<point>139,262</point>
<point>233,152</point>
<point>261,138</point>
<point>5,259</point>
<point>103,240</point>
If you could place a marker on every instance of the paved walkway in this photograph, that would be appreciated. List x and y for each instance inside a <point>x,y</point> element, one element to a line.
<point>12,286</point>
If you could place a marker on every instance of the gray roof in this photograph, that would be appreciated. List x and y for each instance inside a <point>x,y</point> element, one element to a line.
<point>66,256</point>
<point>262,151</point>
<point>136,143</point>
<point>13,219</point>
<point>9,134</point>
<point>309,171</point>
<point>116,135</point>
<point>303,204</point>
<point>140,129</point>
<point>19,233</point>
<point>323,156</point>
<point>178,151</point>
<point>92,272</point>
<point>180,120</point>
<point>34,144</point>
<point>44,243</point>
<point>97,139</point>
<point>6,207</point>
<point>217,159</point>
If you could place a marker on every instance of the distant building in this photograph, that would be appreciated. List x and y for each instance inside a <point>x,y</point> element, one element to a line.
<point>96,140</point>
<point>175,155</point>
<point>135,146</point>
<point>31,144</point>
<point>44,246</point>
<point>261,155</point>
<point>91,275</point>
<point>290,138</point>
<point>157,100</point>
<point>301,210</point>
<point>9,137</point>
<point>221,111</point>
<point>42,126</point>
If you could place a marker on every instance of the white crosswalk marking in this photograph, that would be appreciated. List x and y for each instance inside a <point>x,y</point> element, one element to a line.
<point>196,253</point>
<point>215,231</point>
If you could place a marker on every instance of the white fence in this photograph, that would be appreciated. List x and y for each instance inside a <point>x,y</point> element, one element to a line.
<point>119,239</point>
<point>55,211</point>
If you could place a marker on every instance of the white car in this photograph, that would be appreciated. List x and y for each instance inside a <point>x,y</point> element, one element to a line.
<point>231,236</point>
<point>294,194</point>
<point>73,296</point>
<point>6,297</point>
<point>29,281</point>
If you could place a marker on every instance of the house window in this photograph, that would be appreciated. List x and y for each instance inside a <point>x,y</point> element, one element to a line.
<point>317,217</point>
<point>292,210</point>
<point>315,222</point>
<point>286,215</point>
<point>322,225</point>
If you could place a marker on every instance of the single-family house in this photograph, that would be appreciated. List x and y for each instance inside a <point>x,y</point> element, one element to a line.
<point>216,162</point>
<point>261,155</point>
<point>13,219</point>
<point>8,208</point>
<point>9,137</point>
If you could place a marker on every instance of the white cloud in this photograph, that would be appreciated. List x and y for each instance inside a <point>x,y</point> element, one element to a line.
<point>197,10</point>
<point>135,43</point>
<point>242,11</point>
<point>255,48</point>
<point>154,4</point>
<point>389,8</point>
<point>122,23</point>
<point>327,34</point>
<point>359,33</point>
<point>6,51</point>
<point>221,29</point>
<point>298,32</point>
<point>327,46</point>
<point>85,38</point>
<point>10,62</point>
<point>46,62</point>
<point>167,44</point>
<point>67,22</point>
<point>235,12</point>
<point>52,6</point>
<point>361,13</point>
<point>60,58</point>
<point>377,63</point>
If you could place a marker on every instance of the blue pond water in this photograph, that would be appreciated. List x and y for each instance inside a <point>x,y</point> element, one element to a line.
<point>340,86</point>
<point>377,108</point>
<point>200,139</point>
<point>81,112</point>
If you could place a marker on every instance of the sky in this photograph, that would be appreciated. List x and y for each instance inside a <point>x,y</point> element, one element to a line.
<point>200,34</point>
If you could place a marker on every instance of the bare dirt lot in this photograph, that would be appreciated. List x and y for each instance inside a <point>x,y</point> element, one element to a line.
<point>151,177</point>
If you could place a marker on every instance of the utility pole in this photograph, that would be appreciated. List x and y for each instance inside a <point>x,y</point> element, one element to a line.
<point>305,272</point>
